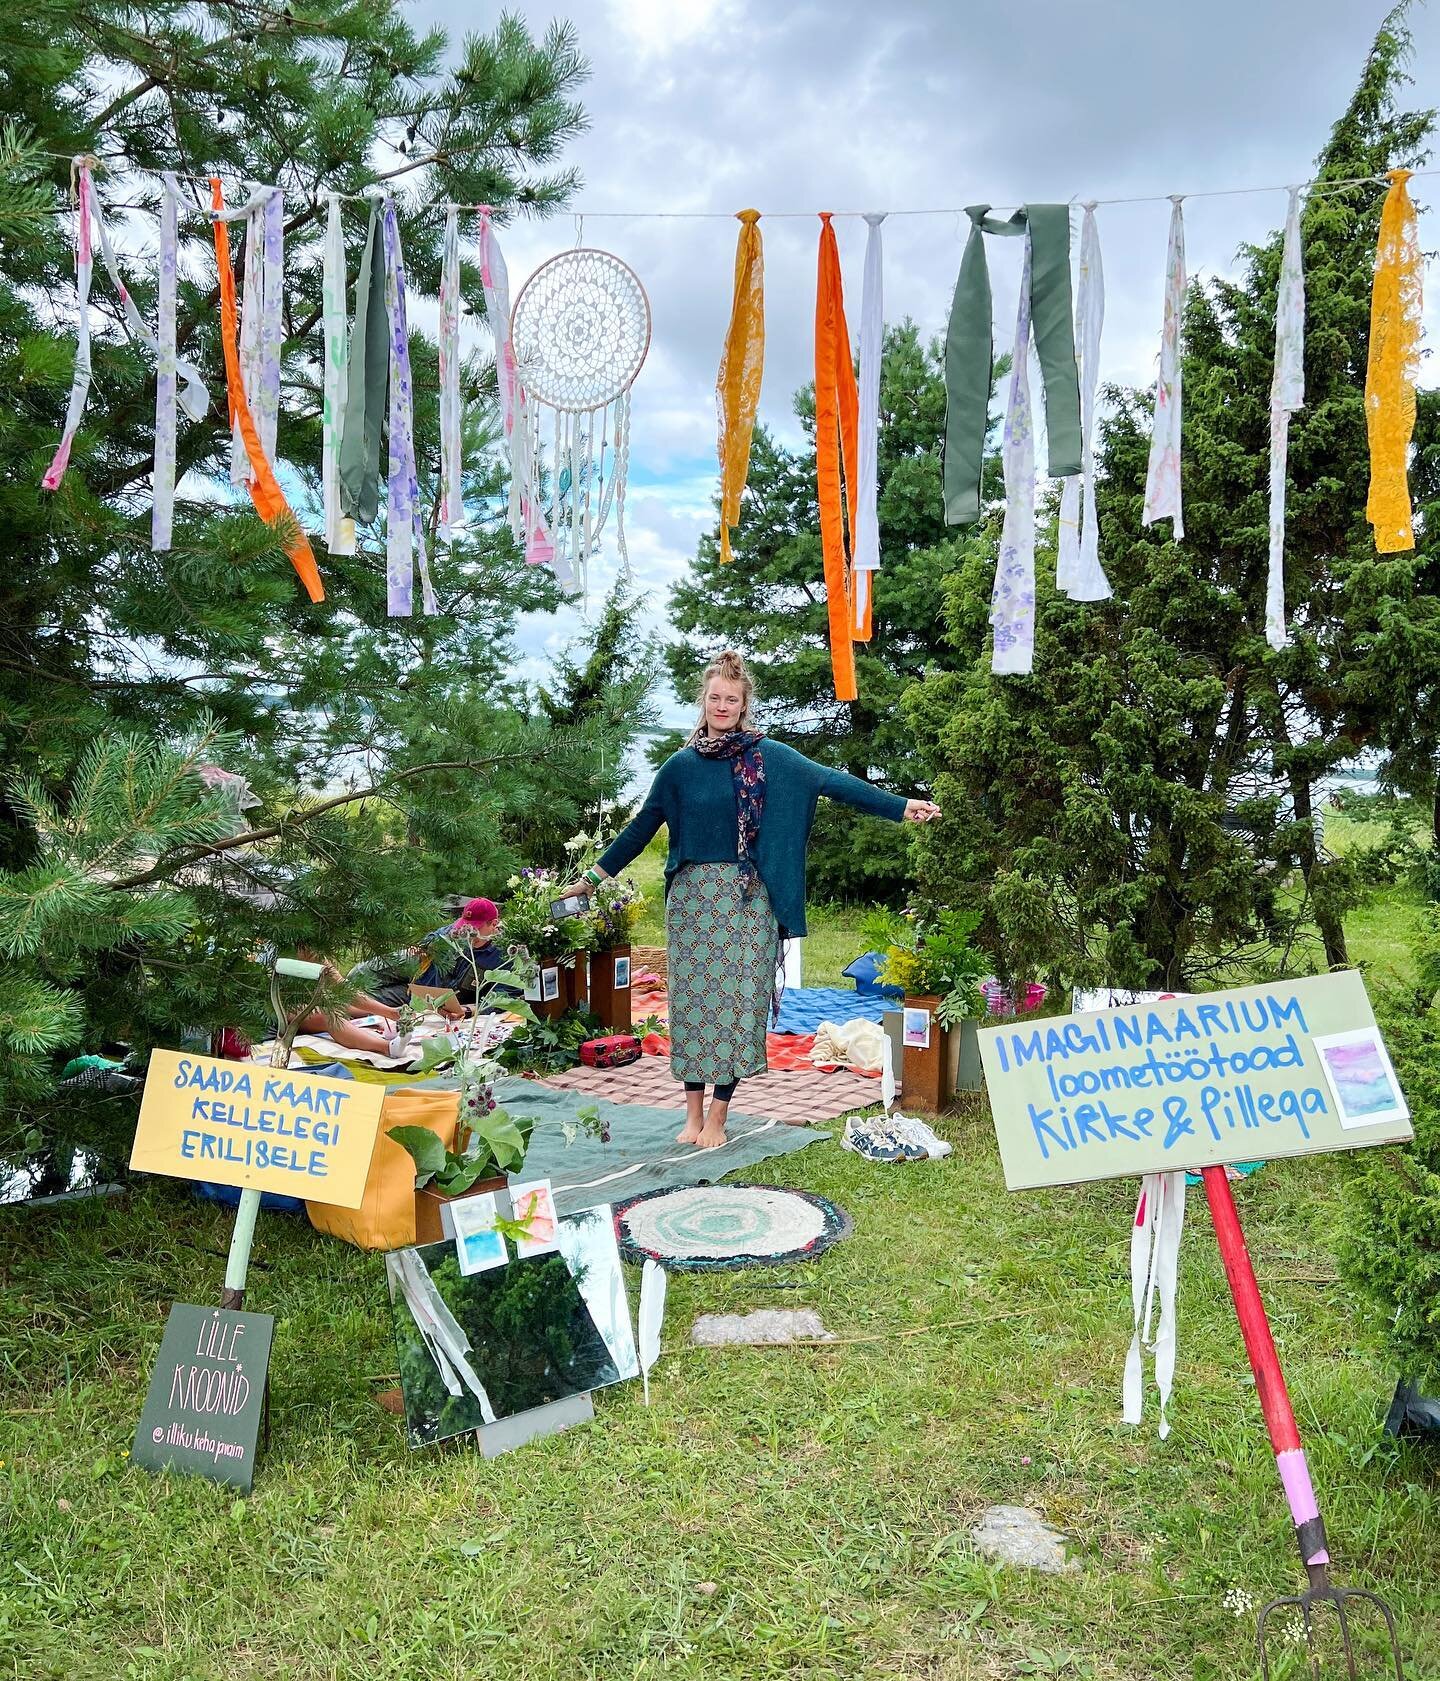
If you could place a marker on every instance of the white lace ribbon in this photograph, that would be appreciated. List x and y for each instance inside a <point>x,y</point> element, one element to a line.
<point>1078,572</point>
<point>1162,478</point>
<point>452,507</point>
<point>1287,393</point>
<point>1012,603</point>
<point>865,551</point>
<point>1154,1270</point>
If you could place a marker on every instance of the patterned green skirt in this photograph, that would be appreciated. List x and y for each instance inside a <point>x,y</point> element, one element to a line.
<point>723,949</point>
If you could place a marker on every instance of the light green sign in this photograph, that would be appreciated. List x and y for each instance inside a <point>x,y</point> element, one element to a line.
<point>1285,1069</point>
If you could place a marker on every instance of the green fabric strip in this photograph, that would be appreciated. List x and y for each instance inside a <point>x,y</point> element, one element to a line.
<point>970,351</point>
<point>1052,311</point>
<point>368,382</point>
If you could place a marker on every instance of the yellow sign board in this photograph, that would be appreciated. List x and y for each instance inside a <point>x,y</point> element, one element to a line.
<point>264,1129</point>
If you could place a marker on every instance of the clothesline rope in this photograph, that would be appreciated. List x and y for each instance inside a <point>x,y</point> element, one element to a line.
<point>445,205</point>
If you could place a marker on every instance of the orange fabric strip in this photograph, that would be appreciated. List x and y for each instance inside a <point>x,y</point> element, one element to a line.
<point>742,363</point>
<point>1395,328</point>
<point>837,428</point>
<point>265,493</point>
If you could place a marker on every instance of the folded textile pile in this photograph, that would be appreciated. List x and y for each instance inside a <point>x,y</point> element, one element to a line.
<point>857,1045</point>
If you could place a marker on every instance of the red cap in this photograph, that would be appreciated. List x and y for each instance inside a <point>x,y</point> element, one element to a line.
<point>478,913</point>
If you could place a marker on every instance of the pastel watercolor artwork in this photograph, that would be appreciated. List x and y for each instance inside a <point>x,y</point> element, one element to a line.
<point>534,1207</point>
<point>1361,1078</point>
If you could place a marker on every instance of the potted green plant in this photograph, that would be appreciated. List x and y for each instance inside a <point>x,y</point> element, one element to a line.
<point>490,1142</point>
<point>930,957</point>
<point>546,942</point>
<point>615,910</point>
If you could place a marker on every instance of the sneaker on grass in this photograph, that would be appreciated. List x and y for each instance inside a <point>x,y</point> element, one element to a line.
<point>911,1131</point>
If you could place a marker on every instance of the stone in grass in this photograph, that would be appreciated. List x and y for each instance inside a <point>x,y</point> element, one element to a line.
<point>766,1325</point>
<point>1017,1535</point>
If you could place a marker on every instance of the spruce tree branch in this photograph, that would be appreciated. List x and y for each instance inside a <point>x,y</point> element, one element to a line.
<point>294,819</point>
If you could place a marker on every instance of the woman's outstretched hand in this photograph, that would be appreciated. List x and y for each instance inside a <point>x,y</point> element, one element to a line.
<point>921,811</point>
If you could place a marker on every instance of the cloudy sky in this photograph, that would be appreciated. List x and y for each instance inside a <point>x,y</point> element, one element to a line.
<point>845,105</point>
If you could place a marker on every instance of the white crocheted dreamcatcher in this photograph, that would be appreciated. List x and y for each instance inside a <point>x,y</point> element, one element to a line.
<point>580,332</point>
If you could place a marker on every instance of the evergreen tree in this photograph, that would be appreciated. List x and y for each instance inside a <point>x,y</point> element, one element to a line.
<point>770,605</point>
<point>385,757</point>
<point>1145,802</point>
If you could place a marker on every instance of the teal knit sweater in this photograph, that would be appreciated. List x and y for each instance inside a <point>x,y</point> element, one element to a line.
<point>695,798</point>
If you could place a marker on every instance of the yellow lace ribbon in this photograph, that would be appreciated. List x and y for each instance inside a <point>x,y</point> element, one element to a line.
<point>1394,358</point>
<point>737,391</point>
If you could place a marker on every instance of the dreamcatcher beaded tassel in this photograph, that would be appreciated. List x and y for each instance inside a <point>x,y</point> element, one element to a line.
<point>580,334</point>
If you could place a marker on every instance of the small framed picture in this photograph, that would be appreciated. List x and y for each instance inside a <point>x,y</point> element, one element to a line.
<point>533,1206</point>
<point>1361,1079</point>
<point>478,1246</point>
<point>532,991</point>
<point>915,1031</point>
<point>549,985</point>
<point>622,974</point>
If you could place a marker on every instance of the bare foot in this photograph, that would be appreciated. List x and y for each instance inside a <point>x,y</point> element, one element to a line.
<point>690,1134</point>
<point>711,1137</point>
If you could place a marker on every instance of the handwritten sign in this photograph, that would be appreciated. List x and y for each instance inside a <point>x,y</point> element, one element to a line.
<point>207,1394</point>
<point>267,1129</point>
<point>1190,1083</point>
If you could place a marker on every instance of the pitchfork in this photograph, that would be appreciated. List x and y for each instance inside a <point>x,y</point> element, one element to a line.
<point>1289,1454</point>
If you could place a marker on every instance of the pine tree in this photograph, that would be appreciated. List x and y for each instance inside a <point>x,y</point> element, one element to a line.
<point>770,605</point>
<point>1142,809</point>
<point>385,756</point>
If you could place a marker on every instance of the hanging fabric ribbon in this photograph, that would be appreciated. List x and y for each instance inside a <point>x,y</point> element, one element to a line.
<point>1078,572</point>
<point>865,560</point>
<point>1395,309</point>
<point>251,306</point>
<point>84,270</point>
<point>1162,476</point>
<point>1287,393</point>
<point>404,528</point>
<point>1154,1270</point>
<point>527,515</point>
<point>339,531</point>
<point>742,364</point>
<point>162,513</point>
<point>970,351</point>
<point>837,418</point>
<point>365,381</point>
<point>452,507</point>
<point>1012,603</point>
<point>265,493</point>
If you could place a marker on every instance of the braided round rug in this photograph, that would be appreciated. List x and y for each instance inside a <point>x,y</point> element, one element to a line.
<point>705,1228</point>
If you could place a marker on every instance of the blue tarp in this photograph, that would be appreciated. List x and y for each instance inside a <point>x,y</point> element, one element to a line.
<point>803,1008</point>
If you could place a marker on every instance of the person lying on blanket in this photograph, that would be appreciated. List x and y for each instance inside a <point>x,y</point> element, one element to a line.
<point>344,1028</point>
<point>477,927</point>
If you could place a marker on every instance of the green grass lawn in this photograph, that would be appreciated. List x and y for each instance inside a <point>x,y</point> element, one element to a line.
<point>800,1512</point>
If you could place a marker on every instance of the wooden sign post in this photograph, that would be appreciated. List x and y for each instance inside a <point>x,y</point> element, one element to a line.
<point>1289,1068</point>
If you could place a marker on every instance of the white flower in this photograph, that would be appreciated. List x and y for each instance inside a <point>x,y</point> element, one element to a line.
<point>514,881</point>
<point>576,842</point>
<point>1239,1601</point>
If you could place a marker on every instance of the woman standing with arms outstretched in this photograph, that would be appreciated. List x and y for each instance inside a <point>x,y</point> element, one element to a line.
<point>739,808</point>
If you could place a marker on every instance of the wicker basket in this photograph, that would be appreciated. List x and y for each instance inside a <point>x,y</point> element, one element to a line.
<point>653,958</point>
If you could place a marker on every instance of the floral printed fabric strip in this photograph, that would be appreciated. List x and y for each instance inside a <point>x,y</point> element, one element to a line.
<point>1012,605</point>
<point>1078,572</point>
<point>339,531</point>
<point>1162,480</point>
<point>452,507</point>
<point>1395,307</point>
<point>742,365</point>
<point>405,530</point>
<point>80,381</point>
<point>1287,393</point>
<point>866,556</point>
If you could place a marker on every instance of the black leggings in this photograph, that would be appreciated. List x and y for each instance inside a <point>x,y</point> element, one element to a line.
<point>723,1094</point>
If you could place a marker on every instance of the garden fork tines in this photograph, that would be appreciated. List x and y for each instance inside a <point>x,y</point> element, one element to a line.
<point>1291,1463</point>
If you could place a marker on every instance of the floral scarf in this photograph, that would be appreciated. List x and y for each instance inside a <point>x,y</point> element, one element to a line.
<point>747,769</point>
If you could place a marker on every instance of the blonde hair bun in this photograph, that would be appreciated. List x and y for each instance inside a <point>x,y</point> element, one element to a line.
<point>729,667</point>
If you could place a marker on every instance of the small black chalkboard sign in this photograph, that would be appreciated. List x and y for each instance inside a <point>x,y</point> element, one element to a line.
<point>207,1395</point>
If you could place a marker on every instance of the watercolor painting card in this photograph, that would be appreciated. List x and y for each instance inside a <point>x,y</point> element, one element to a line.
<point>478,1246</point>
<point>1361,1078</point>
<point>534,1206</point>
